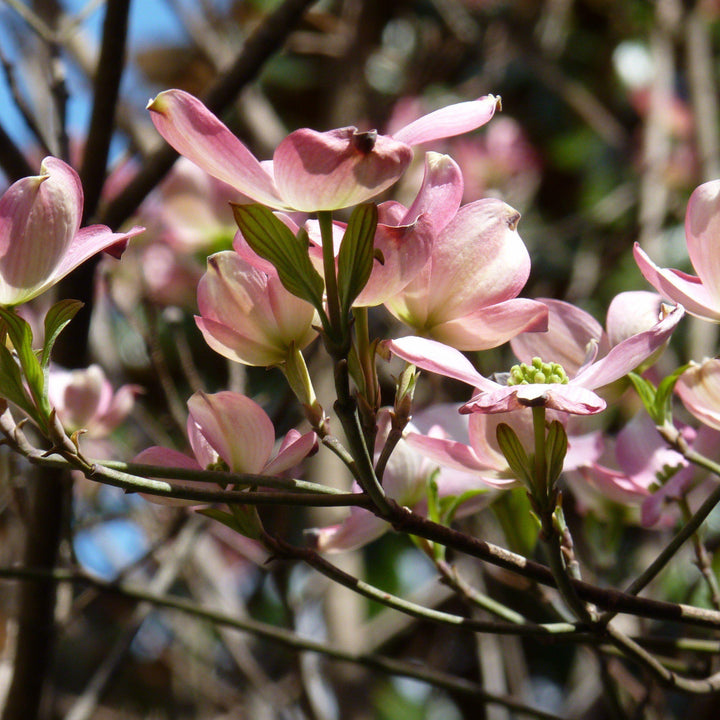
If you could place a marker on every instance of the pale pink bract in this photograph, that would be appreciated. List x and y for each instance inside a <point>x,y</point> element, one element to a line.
<point>310,170</point>
<point>40,236</point>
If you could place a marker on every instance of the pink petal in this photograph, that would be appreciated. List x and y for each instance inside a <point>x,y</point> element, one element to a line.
<point>491,326</point>
<point>441,359</point>
<point>336,169</point>
<point>478,259</point>
<point>570,332</point>
<point>247,315</point>
<point>491,472</point>
<point>90,241</point>
<point>230,344</point>
<point>563,398</point>
<point>196,133</point>
<point>120,406</point>
<point>631,313</point>
<point>39,217</point>
<point>613,484</point>
<point>206,455</point>
<point>440,194</point>
<point>360,528</point>
<point>583,450</point>
<point>699,390</point>
<point>642,453</point>
<point>236,427</point>
<point>166,457</point>
<point>702,230</point>
<point>629,354</point>
<point>679,287</point>
<point>449,121</point>
<point>292,452</point>
<point>405,251</point>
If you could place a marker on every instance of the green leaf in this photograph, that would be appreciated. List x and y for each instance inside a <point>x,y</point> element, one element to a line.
<point>663,396</point>
<point>514,513</point>
<point>515,454</point>
<point>58,316</point>
<point>433,497</point>
<point>21,336</point>
<point>556,445</point>
<point>647,393</point>
<point>11,384</point>
<point>449,505</point>
<point>271,239</point>
<point>356,256</point>
<point>243,519</point>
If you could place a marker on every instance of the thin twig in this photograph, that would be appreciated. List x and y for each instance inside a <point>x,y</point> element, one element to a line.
<point>268,37</point>
<point>517,626</point>
<point>22,106</point>
<point>106,89</point>
<point>284,637</point>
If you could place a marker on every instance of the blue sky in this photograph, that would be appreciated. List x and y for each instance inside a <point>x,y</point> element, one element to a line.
<point>150,21</point>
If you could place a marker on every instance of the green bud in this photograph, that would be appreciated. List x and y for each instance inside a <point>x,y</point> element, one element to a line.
<point>537,373</point>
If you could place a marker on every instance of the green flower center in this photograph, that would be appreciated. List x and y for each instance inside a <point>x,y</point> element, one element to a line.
<point>537,373</point>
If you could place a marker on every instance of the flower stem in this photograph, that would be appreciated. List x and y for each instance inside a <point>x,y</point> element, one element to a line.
<point>331,287</point>
<point>540,480</point>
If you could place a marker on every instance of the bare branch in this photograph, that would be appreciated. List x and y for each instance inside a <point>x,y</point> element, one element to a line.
<point>105,94</point>
<point>262,44</point>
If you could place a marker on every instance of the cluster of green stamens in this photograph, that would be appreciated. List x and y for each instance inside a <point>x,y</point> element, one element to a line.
<point>538,372</point>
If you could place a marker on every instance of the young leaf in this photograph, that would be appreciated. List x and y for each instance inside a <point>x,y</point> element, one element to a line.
<point>647,393</point>
<point>449,505</point>
<point>11,384</point>
<point>21,336</point>
<point>243,519</point>
<point>356,257</point>
<point>556,445</point>
<point>515,454</point>
<point>433,497</point>
<point>514,513</point>
<point>271,239</point>
<point>58,316</point>
<point>663,397</point>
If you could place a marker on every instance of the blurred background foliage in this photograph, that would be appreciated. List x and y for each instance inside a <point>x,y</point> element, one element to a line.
<point>610,119</point>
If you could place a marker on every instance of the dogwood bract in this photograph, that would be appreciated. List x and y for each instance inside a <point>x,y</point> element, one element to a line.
<point>310,170</point>
<point>40,236</point>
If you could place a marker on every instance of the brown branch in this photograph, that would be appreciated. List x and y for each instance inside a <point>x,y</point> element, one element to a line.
<point>36,598</point>
<point>261,45</point>
<point>106,89</point>
<point>12,161</point>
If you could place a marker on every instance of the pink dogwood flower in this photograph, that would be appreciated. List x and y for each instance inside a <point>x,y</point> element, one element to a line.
<point>699,389</point>
<point>310,170</point>
<point>699,295</point>
<point>40,236</point>
<point>85,399</point>
<point>476,451</point>
<point>230,430</point>
<point>638,468</point>
<point>404,236</point>
<point>405,480</point>
<point>540,383</point>
<point>247,315</point>
<point>466,294</point>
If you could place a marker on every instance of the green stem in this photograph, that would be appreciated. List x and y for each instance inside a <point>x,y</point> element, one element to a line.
<point>331,287</point>
<point>544,498</point>
<point>540,480</point>
<point>516,624</point>
<point>701,557</point>
<point>346,409</point>
<point>454,580</point>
